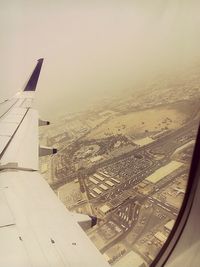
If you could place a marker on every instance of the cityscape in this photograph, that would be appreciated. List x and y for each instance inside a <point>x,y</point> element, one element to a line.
<point>126,161</point>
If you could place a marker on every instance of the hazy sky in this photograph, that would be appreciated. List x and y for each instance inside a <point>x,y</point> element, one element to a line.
<point>93,48</point>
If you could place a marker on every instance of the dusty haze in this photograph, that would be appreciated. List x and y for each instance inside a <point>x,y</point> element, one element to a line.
<point>93,49</point>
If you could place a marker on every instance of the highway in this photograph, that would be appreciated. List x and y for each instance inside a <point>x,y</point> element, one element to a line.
<point>129,214</point>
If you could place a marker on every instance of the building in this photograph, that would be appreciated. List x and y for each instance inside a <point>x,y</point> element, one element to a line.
<point>169,225</point>
<point>161,237</point>
<point>93,180</point>
<point>104,209</point>
<point>164,171</point>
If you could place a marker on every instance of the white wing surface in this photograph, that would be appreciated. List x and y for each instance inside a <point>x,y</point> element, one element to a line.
<point>36,229</point>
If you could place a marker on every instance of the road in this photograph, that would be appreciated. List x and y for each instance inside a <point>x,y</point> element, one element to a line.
<point>130,211</point>
<point>169,143</point>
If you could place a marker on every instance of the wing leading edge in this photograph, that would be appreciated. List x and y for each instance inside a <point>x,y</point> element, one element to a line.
<point>35,227</point>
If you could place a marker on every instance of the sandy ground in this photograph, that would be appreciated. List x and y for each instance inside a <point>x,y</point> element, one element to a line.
<point>131,259</point>
<point>69,194</point>
<point>137,123</point>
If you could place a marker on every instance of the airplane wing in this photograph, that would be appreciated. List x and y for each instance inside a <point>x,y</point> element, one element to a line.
<point>35,227</point>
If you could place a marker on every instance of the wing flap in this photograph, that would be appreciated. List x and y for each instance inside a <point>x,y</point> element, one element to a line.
<point>6,106</point>
<point>4,140</point>
<point>6,217</point>
<point>7,128</point>
<point>47,230</point>
<point>12,250</point>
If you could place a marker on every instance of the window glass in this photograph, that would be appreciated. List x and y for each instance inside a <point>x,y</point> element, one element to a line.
<point>127,163</point>
<point>126,79</point>
<point>121,86</point>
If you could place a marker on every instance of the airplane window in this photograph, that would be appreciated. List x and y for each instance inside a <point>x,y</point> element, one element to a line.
<point>127,162</point>
<point>121,88</point>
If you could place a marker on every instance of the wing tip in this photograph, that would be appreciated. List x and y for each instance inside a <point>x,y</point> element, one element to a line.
<point>40,59</point>
<point>32,82</point>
